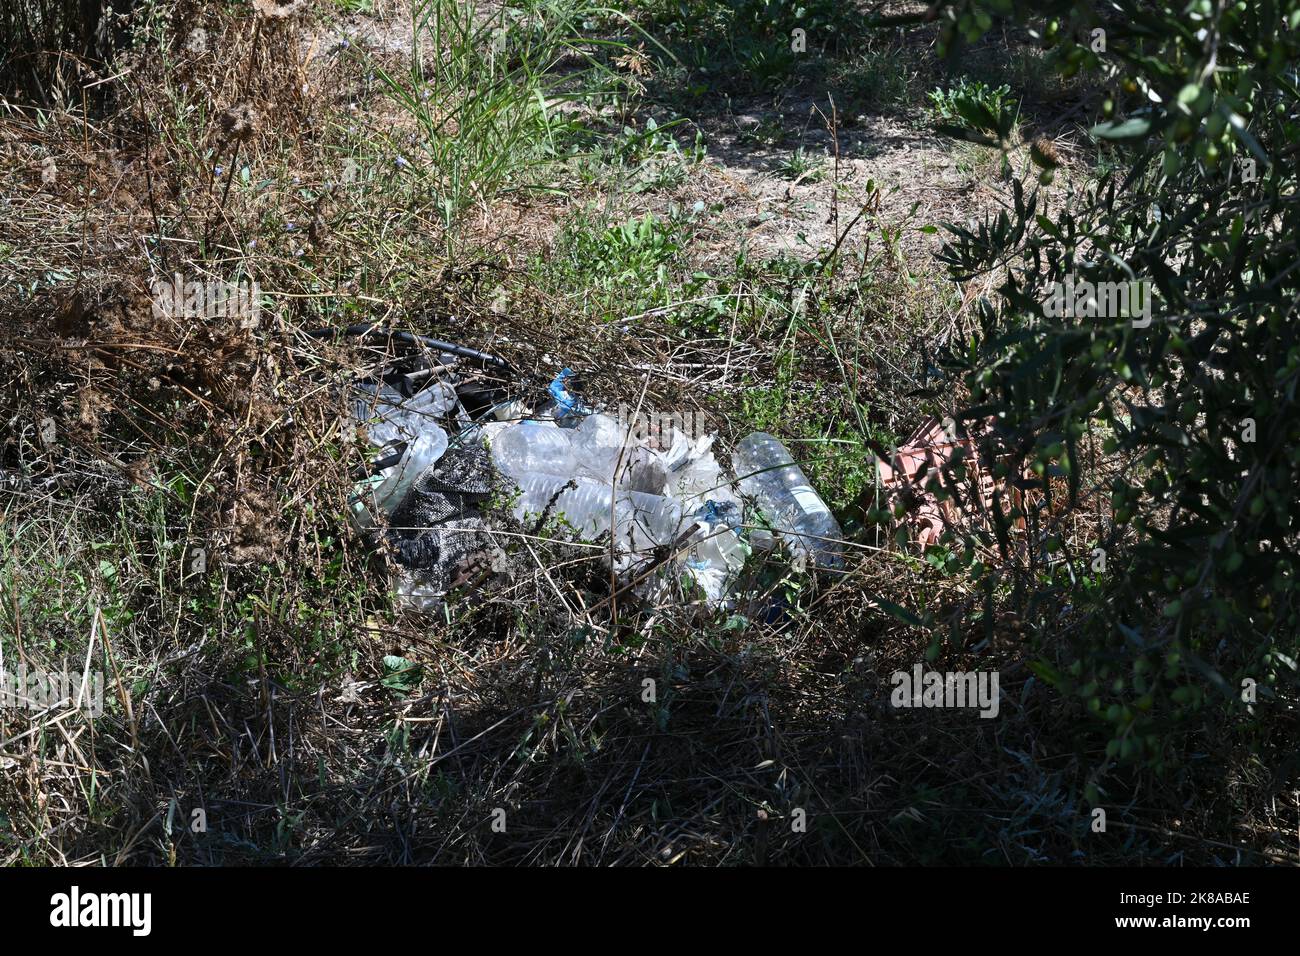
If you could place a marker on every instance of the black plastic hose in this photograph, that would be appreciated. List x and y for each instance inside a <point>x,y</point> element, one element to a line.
<point>410,338</point>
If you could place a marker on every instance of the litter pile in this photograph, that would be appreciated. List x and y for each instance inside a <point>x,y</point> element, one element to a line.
<point>657,498</point>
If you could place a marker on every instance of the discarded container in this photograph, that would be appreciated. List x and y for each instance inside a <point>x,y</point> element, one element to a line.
<point>590,505</point>
<point>533,448</point>
<point>402,426</point>
<point>695,476</point>
<point>765,470</point>
<point>394,482</point>
<point>569,473</point>
<point>717,553</point>
<point>390,417</point>
<point>584,467</point>
<point>597,442</point>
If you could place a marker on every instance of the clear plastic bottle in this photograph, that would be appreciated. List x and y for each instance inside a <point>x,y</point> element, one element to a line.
<point>766,471</point>
<point>648,520</point>
<point>717,554</point>
<point>597,441</point>
<point>533,448</point>
<point>390,419</point>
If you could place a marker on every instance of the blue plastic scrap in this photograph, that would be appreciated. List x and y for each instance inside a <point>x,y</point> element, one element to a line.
<point>572,405</point>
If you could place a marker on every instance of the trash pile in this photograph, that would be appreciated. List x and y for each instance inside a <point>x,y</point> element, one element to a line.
<point>443,445</point>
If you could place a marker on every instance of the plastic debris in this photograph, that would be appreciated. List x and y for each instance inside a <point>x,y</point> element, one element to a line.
<point>403,427</point>
<point>660,499</point>
<point>766,471</point>
<point>428,478</point>
<point>599,481</point>
<point>566,405</point>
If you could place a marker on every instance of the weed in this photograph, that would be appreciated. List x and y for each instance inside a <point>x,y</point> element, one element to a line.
<point>801,167</point>
<point>954,104</point>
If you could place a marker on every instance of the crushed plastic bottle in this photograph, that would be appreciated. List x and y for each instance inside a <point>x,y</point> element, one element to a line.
<point>717,553</point>
<point>597,442</point>
<point>387,489</point>
<point>569,472</point>
<point>389,417</point>
<point>695,476</point>
<point>589,505</point>
<point>766,471</point>
<point>394,422</point>
<point>586,471</point>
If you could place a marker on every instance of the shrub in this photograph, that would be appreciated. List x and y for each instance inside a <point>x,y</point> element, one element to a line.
<point>950,105</point>
<point>1181,615</point>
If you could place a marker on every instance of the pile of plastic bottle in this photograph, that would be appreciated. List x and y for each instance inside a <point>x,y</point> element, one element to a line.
<point>662,498</point>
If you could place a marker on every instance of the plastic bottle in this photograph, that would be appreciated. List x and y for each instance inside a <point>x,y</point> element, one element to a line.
<point>389,417</point>
<point>717,554</point>
<point>649,520</point>
<point>596,443</point>
<point>765,470</point>
<point>533,448</point>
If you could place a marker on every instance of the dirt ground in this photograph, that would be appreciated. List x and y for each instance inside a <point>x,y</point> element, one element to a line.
<point>903,173</point>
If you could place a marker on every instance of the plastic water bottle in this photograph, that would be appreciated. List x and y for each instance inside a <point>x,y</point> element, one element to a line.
<point>597,441</point>
<point>765,470</point>
<point>533,448</point>
<point>649,520</point>
<point>391,419</point>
